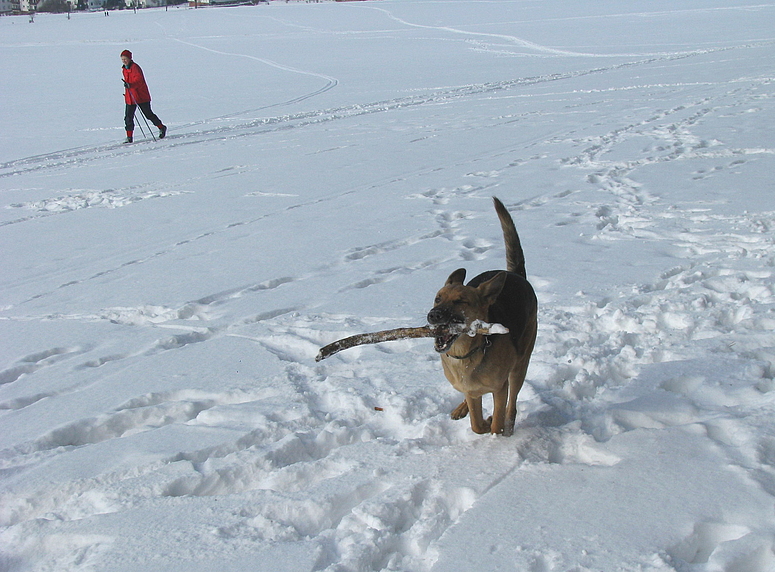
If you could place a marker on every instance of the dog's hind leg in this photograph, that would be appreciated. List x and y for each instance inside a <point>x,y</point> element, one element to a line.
<point>460,411</point>
<point>517,375</point>
<point>499,401</point>
<point>516,379</point>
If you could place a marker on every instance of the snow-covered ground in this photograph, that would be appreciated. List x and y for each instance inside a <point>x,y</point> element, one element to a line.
<point>327,166</point>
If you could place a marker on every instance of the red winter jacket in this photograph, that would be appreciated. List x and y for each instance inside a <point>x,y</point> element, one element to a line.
<point>137,92</point>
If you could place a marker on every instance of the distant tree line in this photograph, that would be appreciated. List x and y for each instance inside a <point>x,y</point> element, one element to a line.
<point>62,6</point>
<point>55,6</point>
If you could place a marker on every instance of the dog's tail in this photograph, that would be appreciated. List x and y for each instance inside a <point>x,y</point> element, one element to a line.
<point>515,258</point>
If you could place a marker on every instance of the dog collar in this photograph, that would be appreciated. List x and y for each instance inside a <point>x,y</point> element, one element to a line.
<point>487,343</point>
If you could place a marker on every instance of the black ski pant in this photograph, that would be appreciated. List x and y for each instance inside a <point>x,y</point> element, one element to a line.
<point>129,116</point>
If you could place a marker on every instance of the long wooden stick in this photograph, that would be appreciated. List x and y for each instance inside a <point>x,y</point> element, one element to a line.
<point>476,327</point>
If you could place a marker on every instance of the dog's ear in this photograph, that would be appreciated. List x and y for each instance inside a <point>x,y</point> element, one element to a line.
<point>456,277</point>
<point>491,289</point>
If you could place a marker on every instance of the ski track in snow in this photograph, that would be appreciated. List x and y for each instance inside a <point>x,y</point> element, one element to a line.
<point>671,141</point>
<point>337,467</point>
<point>81,156</point>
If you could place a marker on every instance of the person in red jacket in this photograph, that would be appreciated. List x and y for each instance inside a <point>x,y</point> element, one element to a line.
<point>136,95</point>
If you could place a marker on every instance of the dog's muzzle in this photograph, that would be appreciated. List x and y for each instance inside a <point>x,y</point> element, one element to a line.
<point>447,326</point>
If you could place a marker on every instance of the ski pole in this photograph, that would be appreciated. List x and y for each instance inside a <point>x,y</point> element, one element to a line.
<point>140,124</point>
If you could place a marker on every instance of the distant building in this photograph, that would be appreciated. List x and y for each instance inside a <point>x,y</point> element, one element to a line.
<point>28,5</point>
<point>145,3</point>
<point>8,6</point>
<point>195,3</point>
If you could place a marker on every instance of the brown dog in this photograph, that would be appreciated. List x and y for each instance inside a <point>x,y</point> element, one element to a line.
<point>494,364</point>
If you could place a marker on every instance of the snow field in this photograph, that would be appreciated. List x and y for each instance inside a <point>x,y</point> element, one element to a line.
<point>162,303</point>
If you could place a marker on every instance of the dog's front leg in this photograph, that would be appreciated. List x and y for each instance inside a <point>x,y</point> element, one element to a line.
<point>478,423</point>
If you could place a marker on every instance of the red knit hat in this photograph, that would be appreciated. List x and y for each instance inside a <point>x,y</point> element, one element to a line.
<point>126,53</point>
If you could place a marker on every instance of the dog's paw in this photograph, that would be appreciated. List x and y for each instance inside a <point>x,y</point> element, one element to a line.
<point>484,428</point>
<point>460,411</point>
